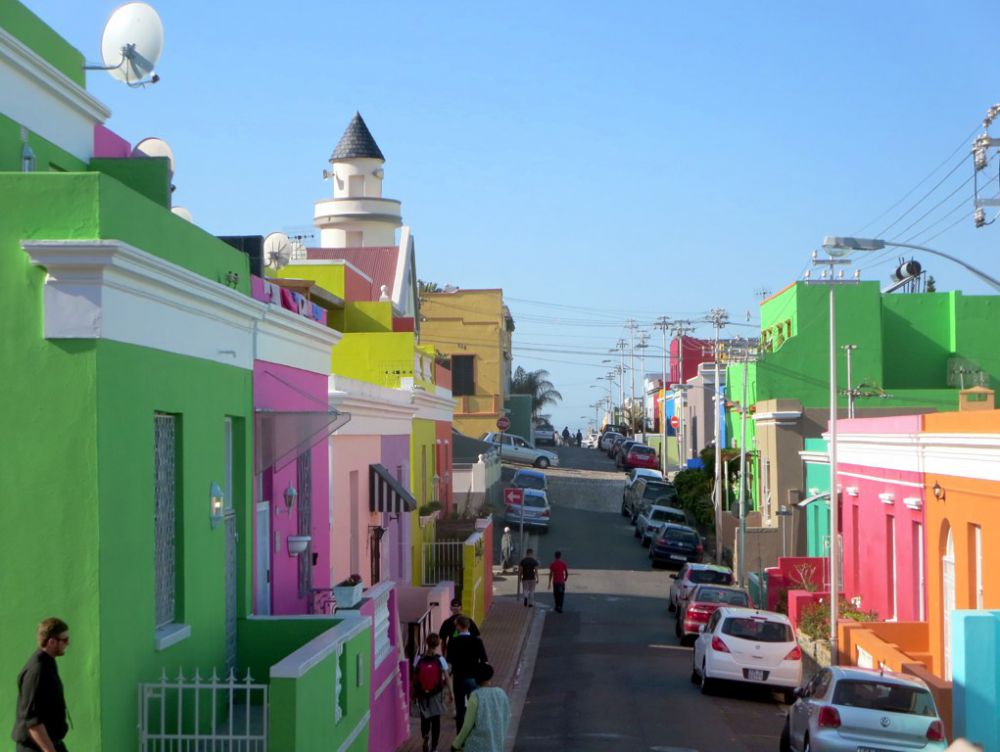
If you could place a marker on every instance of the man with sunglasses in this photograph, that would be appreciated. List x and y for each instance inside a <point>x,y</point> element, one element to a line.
<point>41,721</point>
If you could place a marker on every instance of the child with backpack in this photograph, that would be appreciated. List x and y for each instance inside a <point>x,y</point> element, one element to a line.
<point>430,691</point>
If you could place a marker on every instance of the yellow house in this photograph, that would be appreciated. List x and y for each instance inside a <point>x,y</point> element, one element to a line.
<point>473,328</point>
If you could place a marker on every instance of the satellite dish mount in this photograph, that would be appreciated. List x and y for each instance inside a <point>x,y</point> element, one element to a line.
<point>131,45</point>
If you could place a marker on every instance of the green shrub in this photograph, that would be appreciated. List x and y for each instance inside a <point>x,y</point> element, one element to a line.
<point>429,508</point>
<point>814,619</point>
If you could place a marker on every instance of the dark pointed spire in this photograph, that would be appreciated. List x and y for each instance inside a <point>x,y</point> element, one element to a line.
<point>357,142</point>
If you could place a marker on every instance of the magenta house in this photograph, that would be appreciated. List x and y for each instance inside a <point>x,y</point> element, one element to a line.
<point>292,422</point>
<point>882,516</point>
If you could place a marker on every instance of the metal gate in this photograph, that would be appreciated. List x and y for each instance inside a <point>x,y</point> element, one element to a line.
<point>442,561</point>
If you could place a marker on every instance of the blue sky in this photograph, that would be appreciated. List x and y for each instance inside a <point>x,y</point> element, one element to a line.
<point>595,161</point>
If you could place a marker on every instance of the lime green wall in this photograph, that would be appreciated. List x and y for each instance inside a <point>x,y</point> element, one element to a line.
<point>365,316</point>
<point>266,640</point>
<point>375,358</point>
<point>422,444</point>
<point>328,276</point>
<point>48,156</point>
<point>148,176</point>
<point>35,34</point>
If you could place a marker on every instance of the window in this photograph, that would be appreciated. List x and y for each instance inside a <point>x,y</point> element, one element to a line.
<point>976,539</point>
<point>821,684</point>
<point>355,186</point>
<point>463,382</point>
<point>713,576</point>
<point>165,517</point>
<point>355,238</point>
<point>885,697</point>
<point>758,630</point>
<point>918,568</point>
<point>890,553</point>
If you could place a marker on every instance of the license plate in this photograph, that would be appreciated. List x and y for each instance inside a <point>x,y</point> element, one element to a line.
<point>755,674</point>
<point>678,557</point>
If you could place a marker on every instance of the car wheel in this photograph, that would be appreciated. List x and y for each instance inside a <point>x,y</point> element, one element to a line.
<point>677,630</point>
<point>806,745</point>
<point>541,463</point>
<point>635,533</point>
<point>646,541</point>
<point>788,696</point>
<point>624,510</point>
<point>707,685</point>
<point>694,674</point>
<point>785,744</point>
<point>671,608</point>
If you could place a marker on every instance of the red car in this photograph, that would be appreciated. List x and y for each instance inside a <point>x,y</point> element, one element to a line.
<point>640,455</point>
<point>699,607</point>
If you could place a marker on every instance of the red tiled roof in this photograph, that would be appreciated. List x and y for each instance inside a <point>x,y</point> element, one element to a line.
<point>379,263</point>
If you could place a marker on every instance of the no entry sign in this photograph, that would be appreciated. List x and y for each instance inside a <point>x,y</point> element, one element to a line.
<point>503,423</point>
<point>675,422</point>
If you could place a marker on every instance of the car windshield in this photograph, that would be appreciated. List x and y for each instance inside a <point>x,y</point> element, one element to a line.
<point>545,427</point>
<point>666,515</point>
<point>712,576</point>
<point>679,535</point>
<point>656,490</point>
<point>883,696</point>
<point>758,629</point>
<point>530,481</point>
<point>534,501</point>
<point>643,450</point>
<point>722,595</point>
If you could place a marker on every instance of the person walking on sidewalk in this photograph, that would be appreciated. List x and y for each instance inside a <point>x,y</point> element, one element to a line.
<point>431,691</point>
<point>506,549</point>
<point>558,574</point>
<point>448,627</point>
<point>465,654</point>
<point>488,717</point>
<point>527,573</point>
<point>40,721</point>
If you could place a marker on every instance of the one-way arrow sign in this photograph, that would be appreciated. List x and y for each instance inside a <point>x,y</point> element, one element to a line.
<point>513,495</point>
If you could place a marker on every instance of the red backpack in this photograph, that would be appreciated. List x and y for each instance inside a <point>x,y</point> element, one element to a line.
<point>430,675</point>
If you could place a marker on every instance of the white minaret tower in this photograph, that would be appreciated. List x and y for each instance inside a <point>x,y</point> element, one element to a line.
<point>357,216</point>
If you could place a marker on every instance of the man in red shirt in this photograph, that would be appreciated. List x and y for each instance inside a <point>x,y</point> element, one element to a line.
<point>558,574</point>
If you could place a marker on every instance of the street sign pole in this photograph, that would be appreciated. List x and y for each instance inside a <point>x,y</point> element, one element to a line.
<point>516,496</point>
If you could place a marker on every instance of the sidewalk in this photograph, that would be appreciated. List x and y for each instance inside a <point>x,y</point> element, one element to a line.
<point>505,634</point>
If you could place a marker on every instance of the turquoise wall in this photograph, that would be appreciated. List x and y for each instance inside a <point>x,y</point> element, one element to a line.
<point>817,512</point>
<point>975,655</point>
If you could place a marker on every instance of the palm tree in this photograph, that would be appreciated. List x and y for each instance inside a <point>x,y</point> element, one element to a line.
<point>428,286</point>
<point>536,384</point>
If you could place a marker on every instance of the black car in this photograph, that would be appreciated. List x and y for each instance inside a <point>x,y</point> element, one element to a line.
<point>675,545</point>
<point>648,491</point>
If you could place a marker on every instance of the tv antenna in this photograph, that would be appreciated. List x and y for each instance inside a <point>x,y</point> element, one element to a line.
<point>131,45</point>
<point>277,250</point>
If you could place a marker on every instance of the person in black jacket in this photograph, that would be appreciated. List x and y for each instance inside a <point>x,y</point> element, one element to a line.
<point>448,628</point>
<point>40,721</point>
<point>465,654</point>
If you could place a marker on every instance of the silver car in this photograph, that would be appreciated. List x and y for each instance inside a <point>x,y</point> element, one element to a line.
<point>516,449</point>
<point>849,709</point>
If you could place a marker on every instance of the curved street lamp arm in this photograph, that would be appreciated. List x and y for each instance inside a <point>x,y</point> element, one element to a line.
<point>994,283</point>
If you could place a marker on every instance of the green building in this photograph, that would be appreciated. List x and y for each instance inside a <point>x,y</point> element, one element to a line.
<point>127,338</point>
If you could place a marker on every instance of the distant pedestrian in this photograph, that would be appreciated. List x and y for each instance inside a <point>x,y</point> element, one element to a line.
<point>488,717</point>
<point>527,573</point>
<point>465,654</point>
<point>506,549</point>
<point>558,574</point>
<point>431,691</point>
<point>579,437</point>
<point>40,722</point>
<point>449,628</point>
<point>565,435</point>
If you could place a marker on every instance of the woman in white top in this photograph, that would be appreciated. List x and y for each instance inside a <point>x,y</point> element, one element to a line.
<point>487,716</point>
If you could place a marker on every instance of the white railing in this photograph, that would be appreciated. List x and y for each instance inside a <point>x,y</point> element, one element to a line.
<point>191,714</point>
<point>380,630</point>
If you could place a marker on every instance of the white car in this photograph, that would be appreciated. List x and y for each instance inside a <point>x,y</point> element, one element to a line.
<point>747,645</point>
<point>650,521</point>
<point>590,441</point>
<point>607,440</point>
<point>516,449</point>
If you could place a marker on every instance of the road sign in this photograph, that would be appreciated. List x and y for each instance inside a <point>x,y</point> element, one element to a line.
<point>503,423</point>
<point>675,422</point>
<point>513,496</point>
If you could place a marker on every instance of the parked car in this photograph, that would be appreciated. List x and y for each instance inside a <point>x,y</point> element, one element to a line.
<point>675,544</point>
<point>647,491</point>
<point>750,646</point>
<point>649,521</point>
<point>691,576</point>
<point>702,603</point>
<point>516,449</point>
<point>613,449</point>
<point>634,475</point>
<point>536,511</point>
<point>613,428</point>
<point>621,449</point>
<point>639,455</point>
<point>846,709</point>
<point>607,439</point>
<point>530,478</point>
<point>545,433</point>
<point>590,441</point>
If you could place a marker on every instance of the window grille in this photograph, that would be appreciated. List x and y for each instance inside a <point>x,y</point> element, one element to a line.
<point>165,517</point>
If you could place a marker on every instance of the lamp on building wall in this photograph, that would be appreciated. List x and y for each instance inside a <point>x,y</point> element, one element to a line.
<point>217,504</point>
<point>938,491</point>
<point>289,496</point>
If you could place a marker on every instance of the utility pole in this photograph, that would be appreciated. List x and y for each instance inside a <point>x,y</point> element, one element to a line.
<point>663,323</point>
<point>621,371</point>
<point>632,326</point>
<point>643,339</point>
<point>748,351</point>
<point>851,392</point>
<point>718,317</point>
<point>679,330</point>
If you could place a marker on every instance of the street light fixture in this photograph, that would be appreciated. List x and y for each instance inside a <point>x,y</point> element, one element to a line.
<point>840,246</point>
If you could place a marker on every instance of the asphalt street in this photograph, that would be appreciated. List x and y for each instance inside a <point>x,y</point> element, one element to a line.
<point>610,674</point>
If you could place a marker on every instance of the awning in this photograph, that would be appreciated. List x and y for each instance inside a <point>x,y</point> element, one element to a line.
<point>814,497</point>
<point>280,437</point>
<point>386,494</point>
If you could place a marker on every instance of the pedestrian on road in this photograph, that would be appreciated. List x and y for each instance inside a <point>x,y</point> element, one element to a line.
<point>465,654</point>
<point>488,717</point>
<point>558,574</point>
<point>40,722</point>
<point>449,628</point>
<point>431,691</point>
<point>579,437</point>
<point>527,573</point>
<point>565,435</point>
<point>506,549</point>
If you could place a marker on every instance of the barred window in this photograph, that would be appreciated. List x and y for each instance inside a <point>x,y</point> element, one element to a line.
<point>165,517</point>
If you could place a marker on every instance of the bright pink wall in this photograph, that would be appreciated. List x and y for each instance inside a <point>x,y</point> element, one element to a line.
<point>108,144</point>
<point>352,454</point>
<point>890,424</point>
<point>282,388</point>
<point>389,682</point>
<point>869,553</point>
<point>396,559</point>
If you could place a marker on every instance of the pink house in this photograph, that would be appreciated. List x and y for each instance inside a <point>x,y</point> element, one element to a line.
<point>882,516</point>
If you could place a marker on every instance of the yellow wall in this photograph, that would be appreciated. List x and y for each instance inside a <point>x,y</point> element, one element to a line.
<point>328,276</point>
<point>472,322</point>
<point>423,462</point>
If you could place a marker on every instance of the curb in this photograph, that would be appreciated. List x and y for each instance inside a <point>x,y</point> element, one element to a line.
<point>523,674</point>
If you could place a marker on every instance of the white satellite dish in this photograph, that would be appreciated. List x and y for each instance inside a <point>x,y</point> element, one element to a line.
<point>183,213</point>
<point>154,147</point>
<point>132,43</point>
<point>277,250</point>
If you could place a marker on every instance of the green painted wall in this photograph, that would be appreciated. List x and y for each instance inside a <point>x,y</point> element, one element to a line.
<point>266,640</point>
<point>423,444</point>
<point>48,156</point>
<point>518,408</point>
<point>817,512</point>
<point>148,176</point>
<point>35,34</point>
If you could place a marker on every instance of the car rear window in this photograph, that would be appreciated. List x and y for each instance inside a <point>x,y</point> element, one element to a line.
<point>674,535</point>
<point>534,501</point>
<point>656,489</point>
<point>711,576</point>
<point>722,595</point>
<point>645,450</point>
<point>667,515</point>
<point>757,629</point>
<point>530,481</point>
<point>885,697</point>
